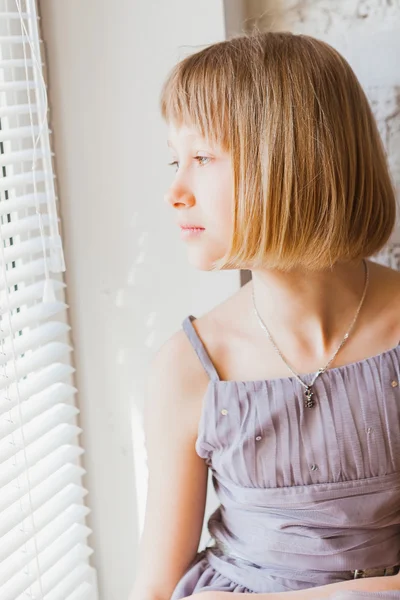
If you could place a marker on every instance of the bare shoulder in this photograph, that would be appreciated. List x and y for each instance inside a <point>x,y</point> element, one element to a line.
<point>222,329</point>
<point>176,382</point>
<point>176,362</point>
<point>391,277</point>
<point>384,303</point>
<point>177,379</point>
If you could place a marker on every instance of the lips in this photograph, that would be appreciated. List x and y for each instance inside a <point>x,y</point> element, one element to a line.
<point>191,227</point>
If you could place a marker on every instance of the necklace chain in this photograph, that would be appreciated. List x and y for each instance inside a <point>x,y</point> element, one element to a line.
<point>309,403</point>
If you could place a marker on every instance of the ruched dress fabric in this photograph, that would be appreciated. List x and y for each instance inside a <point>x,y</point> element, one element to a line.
<point>306,496</point>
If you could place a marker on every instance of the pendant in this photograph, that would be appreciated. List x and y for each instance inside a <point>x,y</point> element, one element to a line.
<point>309,402</point>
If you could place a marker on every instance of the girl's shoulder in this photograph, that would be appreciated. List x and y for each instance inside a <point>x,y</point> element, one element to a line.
<point>383,308</point>
<point>213,335</point>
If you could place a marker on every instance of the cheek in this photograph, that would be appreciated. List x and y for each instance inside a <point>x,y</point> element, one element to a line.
<point>219,206</point>
<point>225,216</point>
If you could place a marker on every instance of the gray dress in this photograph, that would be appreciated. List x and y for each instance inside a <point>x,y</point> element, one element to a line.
<point>306,496</point>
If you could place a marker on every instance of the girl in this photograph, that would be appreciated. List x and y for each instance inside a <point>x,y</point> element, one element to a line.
<point>289,391</point>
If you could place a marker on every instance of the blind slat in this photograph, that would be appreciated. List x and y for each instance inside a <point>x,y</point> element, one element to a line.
<point>17,109</point>
<point>22,249</point>
<point>30,316</point>
<point>14,181</point>
<point>10,445</point>
<point>14,39</point>
<point>16,86</point>
<point>17,133</point>
<point>14,158</point>
<point>14,466</point>
<point>34,406</point>
<point>10,15</point>
<point>11,516</point>
<point>11,63</point>
<point>35,383</point>
<point>61,559</point>
<point>74,586</point>
<point>21,226</point>
<point>39,472</point>
<point>22,202</point>
<point>31,339</point>
<point>42,357</point>
<point>46,519</point>
<point>67,562</point>
<point>28,294</point>
<point>22,273</point>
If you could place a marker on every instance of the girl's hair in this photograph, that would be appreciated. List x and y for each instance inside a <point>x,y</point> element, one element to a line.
<point>311,179</point>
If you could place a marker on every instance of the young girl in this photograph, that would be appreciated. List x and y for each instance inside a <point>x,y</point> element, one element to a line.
<point>289,391</point>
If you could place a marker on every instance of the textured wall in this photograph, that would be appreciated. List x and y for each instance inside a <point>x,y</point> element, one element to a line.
<point>367,33</point>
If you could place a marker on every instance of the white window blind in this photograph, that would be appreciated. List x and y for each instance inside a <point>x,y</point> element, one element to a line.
<point>44,550</point>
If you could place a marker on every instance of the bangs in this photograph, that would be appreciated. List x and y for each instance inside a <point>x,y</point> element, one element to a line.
<point>196,94</point>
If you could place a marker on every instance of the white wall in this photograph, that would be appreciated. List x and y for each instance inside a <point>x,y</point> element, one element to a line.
<point>129,283</point>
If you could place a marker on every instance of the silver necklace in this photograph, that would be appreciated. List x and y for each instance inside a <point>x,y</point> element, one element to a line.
<point>309,393</point>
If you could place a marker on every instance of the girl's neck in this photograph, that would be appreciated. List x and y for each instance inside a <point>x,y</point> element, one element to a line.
<point>315,309</point>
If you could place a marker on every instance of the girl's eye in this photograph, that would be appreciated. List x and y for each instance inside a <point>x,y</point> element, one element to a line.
<point>200,159</point>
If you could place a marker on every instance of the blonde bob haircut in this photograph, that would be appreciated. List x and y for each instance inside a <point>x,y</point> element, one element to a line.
<point>311,180</point>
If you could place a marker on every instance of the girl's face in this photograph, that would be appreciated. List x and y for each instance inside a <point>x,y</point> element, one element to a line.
<point>201,195</point>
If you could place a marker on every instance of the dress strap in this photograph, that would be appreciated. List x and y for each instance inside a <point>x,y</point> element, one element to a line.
<point>199,347</point>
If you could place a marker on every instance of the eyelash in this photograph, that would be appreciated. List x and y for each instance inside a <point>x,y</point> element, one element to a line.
<point>175,162</point>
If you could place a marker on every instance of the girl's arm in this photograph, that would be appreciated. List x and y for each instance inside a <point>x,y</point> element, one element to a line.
<point>357,589</point>
<point>369,588</point>
<point>177,482</point>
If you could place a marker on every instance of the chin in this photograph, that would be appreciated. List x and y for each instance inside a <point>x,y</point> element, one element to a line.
<point>202,262</point>
<point>201,265</point>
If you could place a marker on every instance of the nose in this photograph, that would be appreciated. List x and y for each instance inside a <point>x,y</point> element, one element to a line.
<point>178,196</point>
